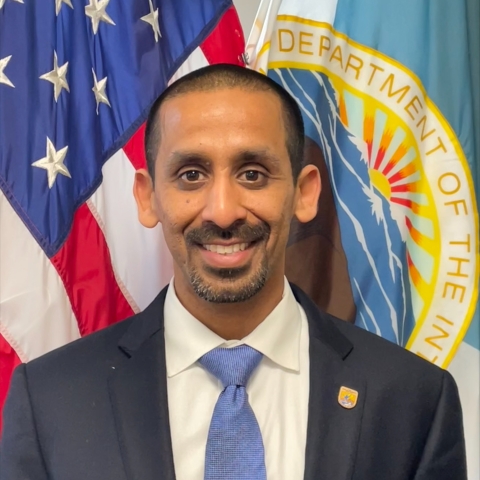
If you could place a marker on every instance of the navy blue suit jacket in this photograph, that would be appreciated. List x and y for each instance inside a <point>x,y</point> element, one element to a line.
<point>97,408</point>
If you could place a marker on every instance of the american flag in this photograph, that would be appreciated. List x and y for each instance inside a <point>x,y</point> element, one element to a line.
<point>77,79</point>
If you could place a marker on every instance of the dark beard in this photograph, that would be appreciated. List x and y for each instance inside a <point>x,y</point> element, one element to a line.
<point>228,294</point>
<point>245,233</point>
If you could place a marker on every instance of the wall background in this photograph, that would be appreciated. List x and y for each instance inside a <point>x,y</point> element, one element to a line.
<point>247,10</point>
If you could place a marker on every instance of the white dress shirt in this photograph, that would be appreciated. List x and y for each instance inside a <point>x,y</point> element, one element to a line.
<point>278,389</point>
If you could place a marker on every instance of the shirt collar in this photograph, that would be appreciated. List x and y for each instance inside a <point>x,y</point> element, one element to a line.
<point>187,339</point>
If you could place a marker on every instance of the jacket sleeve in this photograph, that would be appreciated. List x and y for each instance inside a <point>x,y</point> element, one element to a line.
<point>444,457</point>
<point>20,455</point>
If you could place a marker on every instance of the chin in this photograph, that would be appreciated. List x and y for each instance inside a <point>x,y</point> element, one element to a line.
<point>230,285</point>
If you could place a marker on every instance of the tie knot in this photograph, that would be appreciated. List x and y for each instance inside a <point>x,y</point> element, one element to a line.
<point>232,366</point>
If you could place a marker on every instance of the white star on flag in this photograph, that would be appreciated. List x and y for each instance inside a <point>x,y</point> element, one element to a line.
<point>3,78</point>
<point>96,10</point>
<point>99,90</point>
<point>152,19</point>
<point>2,2</point>
<point>53,163</point>
<point>59,3</point>
<point>57,76</point>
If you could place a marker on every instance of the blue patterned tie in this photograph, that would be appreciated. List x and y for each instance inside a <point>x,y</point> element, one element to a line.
<point>234,446</point>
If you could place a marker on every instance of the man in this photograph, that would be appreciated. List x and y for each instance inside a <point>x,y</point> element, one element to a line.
<point>231,373</point>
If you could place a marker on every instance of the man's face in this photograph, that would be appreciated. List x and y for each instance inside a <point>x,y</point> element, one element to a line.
<point>224,191</point>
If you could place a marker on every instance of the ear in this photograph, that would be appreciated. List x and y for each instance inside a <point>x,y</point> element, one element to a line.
<point>309,186</point>
<point>144,194</point>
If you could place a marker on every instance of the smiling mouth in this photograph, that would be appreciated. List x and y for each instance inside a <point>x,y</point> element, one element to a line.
<point>227,249</point>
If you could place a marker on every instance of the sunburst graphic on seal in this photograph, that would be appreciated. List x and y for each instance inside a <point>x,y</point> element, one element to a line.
<point>396,172</point>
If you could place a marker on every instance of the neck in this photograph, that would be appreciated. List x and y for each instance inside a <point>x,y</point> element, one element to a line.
<point>232,321</point>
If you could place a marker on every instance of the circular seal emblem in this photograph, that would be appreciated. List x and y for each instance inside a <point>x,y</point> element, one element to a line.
<point>403,190</point>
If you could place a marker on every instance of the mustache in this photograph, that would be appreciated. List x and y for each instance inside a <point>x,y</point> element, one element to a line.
<point>242,231</point>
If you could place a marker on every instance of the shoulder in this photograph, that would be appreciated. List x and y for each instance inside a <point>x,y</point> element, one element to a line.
<point>81,357</point>
<point>380,356</point>
<point>368,354</point>
<point>98,351</point>
<point>398,381</point>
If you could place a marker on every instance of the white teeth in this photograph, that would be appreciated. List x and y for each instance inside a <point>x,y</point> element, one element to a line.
<point>226,249</point>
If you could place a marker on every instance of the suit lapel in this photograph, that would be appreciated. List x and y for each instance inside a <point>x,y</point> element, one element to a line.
<point>138,392</point>
<point>332,431</point>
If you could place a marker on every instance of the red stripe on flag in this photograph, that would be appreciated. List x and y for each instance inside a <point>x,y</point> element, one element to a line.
<point>85,268</point>
<point>134,149</point>
<point>8,361</point>
<point>223,47</point>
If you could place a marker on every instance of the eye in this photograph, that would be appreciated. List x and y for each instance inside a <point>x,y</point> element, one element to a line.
<point>191,176</point>
<point>253,176</point>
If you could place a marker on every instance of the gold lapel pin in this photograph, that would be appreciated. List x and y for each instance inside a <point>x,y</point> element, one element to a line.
<point>347,397</point>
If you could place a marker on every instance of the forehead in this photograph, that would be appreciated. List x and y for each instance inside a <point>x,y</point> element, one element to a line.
<point>229,113</point>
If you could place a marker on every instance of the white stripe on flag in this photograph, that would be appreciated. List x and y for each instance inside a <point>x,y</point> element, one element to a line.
<point>139,256</point>
<point>33,300</point>
<point>195,61</point>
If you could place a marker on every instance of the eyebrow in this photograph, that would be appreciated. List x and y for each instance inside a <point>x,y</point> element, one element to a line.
<point>185,157</point>
<point>179,158</point>
<point>250,156</point>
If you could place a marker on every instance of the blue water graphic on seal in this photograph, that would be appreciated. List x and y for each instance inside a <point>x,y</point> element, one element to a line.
<point>371,238</point>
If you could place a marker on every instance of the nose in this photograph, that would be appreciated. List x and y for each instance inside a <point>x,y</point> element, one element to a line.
<point>223,203</point>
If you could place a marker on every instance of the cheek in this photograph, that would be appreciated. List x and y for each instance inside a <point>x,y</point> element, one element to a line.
<point>170,221</point>
<point>276,210</point>
<point>173,212</point>
<point>282,229</point>
<point>179,205</point>
<point>175,241</point>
